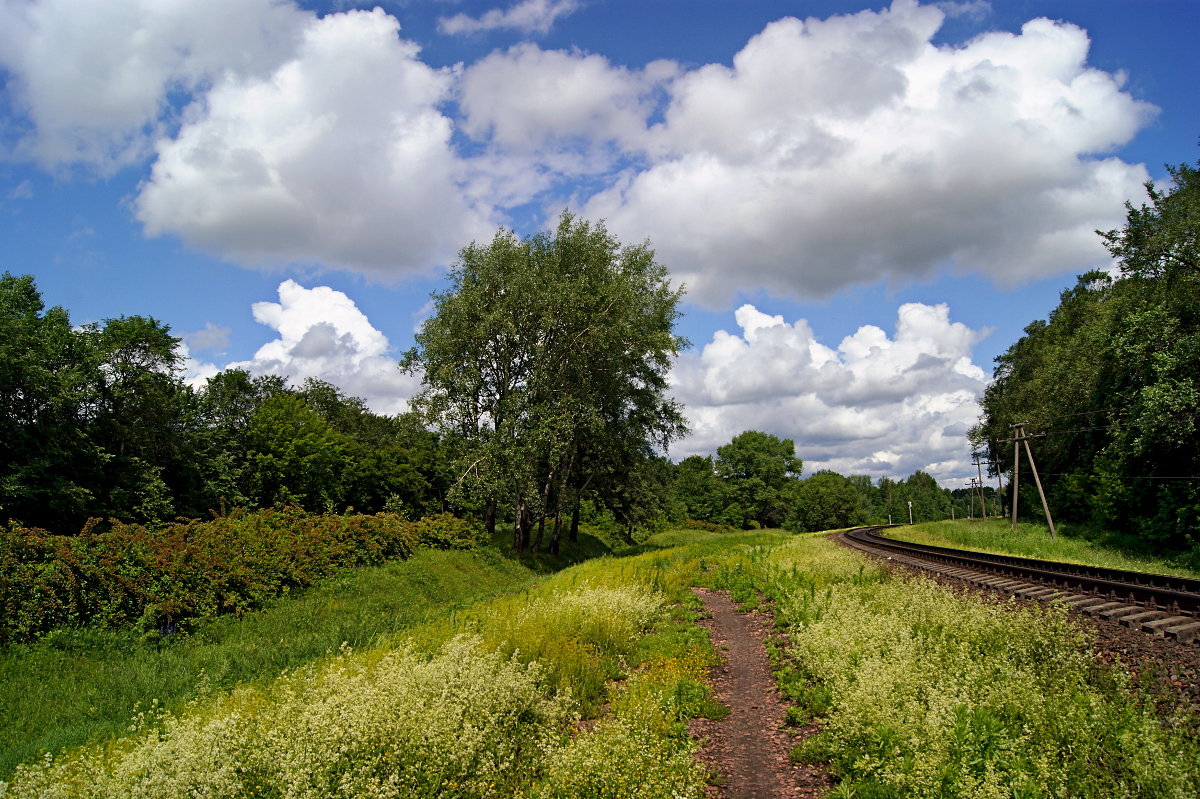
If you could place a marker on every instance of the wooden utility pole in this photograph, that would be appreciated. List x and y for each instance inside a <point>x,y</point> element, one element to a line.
<point>1018,438</point>
<point>979,471</point>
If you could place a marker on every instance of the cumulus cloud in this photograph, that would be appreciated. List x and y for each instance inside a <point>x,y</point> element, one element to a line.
<point>875,405</point>
<point>840,151</point>
<point>339,156</point>
<point>322,334</point>
<point>828,153</point>
<point>550,116</point>
<point>93,78</point>
<point>192,370</point>
<point>212,337</point>
<point>527,16</point>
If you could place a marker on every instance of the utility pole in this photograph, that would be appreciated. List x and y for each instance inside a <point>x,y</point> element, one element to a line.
<point>1018,438</point>
<point>977,490</point>
<point>999,485</point>
<point>979,471</point>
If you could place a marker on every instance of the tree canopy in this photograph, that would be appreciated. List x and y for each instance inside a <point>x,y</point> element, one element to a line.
<point>547,360</point>
<point>1110,377</point>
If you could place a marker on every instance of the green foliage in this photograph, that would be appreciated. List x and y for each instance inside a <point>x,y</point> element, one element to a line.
<point>1031,540</point>
<point>95,421</point>
<point>162,578</point>
<point>87,414</point>
<point>825,501</point>
<point>447,531</point>
<point>76,684</point>
<point>1111,377</point>
<point>924,693</point>
<point>454,718</point>
<point>759,468</point>
<point>547,360</point>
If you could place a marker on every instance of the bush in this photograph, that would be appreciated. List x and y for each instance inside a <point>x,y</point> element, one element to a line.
<point>446,531</point>
<point>160,580</point>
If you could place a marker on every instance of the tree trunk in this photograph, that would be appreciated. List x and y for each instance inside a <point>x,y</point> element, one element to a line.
<point>519,531</point>
<point>573,535</point>
<point>489,519</point>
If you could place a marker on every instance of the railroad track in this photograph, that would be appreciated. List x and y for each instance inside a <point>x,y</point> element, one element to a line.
<point>1159,605</point>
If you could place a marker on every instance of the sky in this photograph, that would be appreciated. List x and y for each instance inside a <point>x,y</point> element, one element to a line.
<point>866,203</point>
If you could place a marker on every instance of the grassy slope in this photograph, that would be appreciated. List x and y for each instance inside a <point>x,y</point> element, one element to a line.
<point>574,623</point>
<point>81,685</point>
<point>1033,541</point>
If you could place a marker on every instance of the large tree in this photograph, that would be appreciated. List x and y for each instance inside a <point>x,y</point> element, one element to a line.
<point>547,358</point>
<point>89,415</point>
<point>760,468</point>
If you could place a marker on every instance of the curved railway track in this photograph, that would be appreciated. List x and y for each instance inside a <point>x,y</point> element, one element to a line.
<point>1156,604</point>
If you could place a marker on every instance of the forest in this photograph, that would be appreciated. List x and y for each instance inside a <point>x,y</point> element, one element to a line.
<point>554,410</point>
<point>545,407</point>
<point>1110,381</point>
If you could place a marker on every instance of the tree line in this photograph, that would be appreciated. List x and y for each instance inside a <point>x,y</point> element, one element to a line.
<point>97,422</point>
<point>1110,378</point>
<point>545,406</point>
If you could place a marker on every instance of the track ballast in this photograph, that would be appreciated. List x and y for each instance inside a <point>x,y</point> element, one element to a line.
<point>1159,605</point>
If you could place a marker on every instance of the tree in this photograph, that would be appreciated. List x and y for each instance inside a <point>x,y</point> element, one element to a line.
<point>547,358</point>
<point>825,501</point>
<point>697,491</point>
<point>1110,377</point>
<point>759,467</point>
<point>294,456</point>
<point>92,418</point>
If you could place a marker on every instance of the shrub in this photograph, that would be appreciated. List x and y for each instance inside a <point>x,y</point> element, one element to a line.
<point>164,578</point>
<point>446,531</point>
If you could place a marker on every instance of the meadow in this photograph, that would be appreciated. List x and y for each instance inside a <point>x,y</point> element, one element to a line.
<point>580,682</point>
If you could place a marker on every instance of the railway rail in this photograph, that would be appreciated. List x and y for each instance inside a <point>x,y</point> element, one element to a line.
<point>1156,604</point>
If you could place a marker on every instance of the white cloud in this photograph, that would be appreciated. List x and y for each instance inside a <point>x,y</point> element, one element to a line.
<point>831,152</point>
<point>22,191</point>
<point>529,99</point>
<point>875,405</point>
<point>841,151</point>
<point>194,371</point>
<point>212,337</point>
<point>339,156</point>
<point>323,335</point>
<point>94,78</point>
<point>527,16</point>
<point>548,117</point>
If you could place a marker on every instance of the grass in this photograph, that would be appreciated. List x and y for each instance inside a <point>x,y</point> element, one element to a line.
<point>80,685</point>
<point>923,693</point>
<point>1033,541</point>
<point>919,692</point>
<point>463,699</point>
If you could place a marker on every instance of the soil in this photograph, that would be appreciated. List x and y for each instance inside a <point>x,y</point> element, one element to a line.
<point>748,749</point>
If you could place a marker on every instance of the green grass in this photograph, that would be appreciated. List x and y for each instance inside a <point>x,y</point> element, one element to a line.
<point>1032,540</point>
<point>80,685</point>
<point>473,700</point>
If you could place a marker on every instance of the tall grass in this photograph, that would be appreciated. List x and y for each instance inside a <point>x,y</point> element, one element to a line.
<point>78,685</point>
<point>443,712</point>
<point>923,693</point>
<point>1032,540</point>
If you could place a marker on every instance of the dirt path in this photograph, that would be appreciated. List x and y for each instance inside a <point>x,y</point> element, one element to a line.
<point>749,748</point>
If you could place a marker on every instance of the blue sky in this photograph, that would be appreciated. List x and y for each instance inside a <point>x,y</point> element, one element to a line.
<point>867,202</point>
